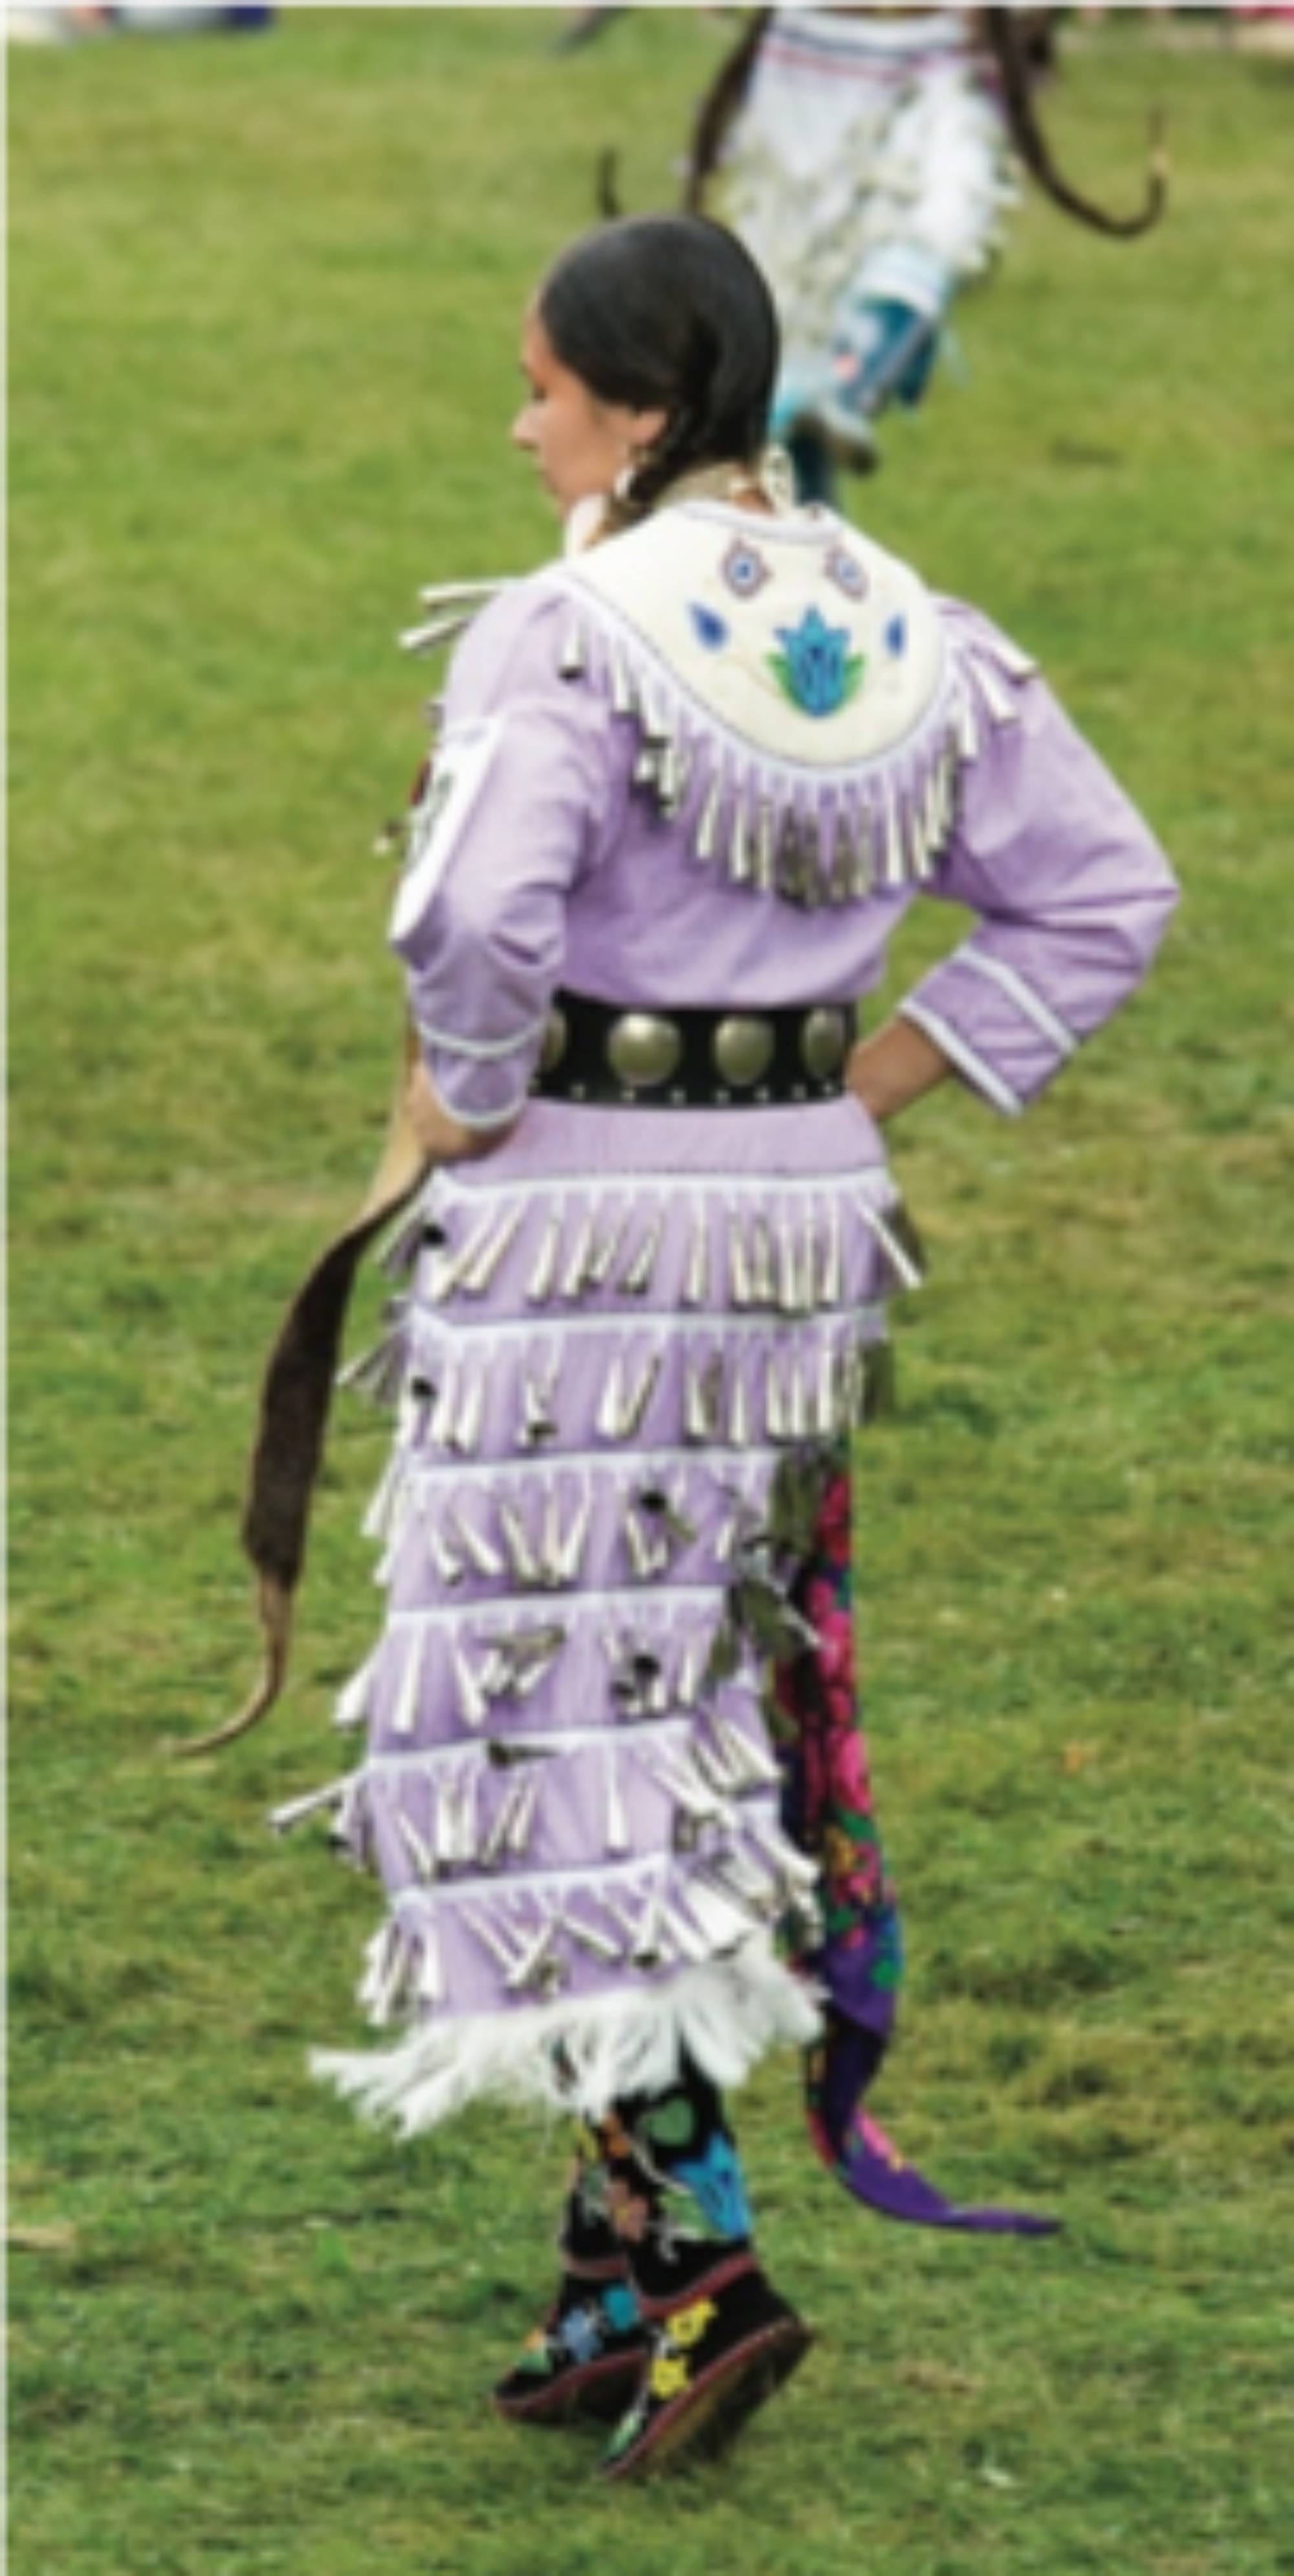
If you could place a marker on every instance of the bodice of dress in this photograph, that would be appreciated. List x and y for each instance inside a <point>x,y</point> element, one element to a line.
<point>712,762</point>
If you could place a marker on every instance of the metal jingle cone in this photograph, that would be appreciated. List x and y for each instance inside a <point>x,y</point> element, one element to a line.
<point>575,1272</point>
<point>892,861</point>
<point>864,875</point>
<point>611,1402</point>
<point>516,1538</point>
<point>712,1394</point>
<point>622,697</point>
<point>793,1291</point>
<point>738,1262</point>
<point>738,1411</point>
<point>539,1287</point>
<point>681,1931</point>
<point>998,699</point>
<point>420,1853</point>
<point>480,1550</point>
<point>492,1939</point>
<point>739,857</point>
<point>539,1407</point>
<point>442,1420</point>
<point>431,1971</point>
<point>636,1404</point>
<point>647,1949</point>
<point>636,1278</point>
<point>495,1839</point>
<point>606,1251</point>
<point>641,1563</point>
<point>616,1835</point>
<point>832,1286</point>
<point>445,1826</point>
<point>576,1539</point>
<point>282,1819</point>
<point>696,1283</point>
<point>765,869</point>
<point>691,1665</point>
<point>825,1405</point>
<point>707,830</point>
<point>404,1715</point>
<point>447,1564</point>
<point>763,1281</point>
<point>774,1405</point>
<point>466,1435</point>
<point>693,1407</point>
<point>521,1828</point>
<point>675,774</point>
<point>589,1937</point>
<point>473,1702</point>
<point>478,1275</point>
<point>549,1550</point>
<point>467,1834</point>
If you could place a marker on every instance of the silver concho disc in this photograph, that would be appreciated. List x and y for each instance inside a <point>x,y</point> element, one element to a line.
<point>823,1040</point>
<point>643,1049</point>
<point>743,1051</point>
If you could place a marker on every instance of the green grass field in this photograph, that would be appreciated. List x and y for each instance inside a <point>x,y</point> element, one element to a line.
<point>263,304</point>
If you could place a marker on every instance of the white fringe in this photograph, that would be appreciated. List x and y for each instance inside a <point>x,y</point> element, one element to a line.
<point>583,2055</point>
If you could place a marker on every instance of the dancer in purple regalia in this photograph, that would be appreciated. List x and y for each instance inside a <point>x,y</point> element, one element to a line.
<point>688,779</point>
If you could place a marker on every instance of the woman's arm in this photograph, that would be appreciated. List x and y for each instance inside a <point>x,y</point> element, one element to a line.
<point>1071,892</point>
<point>509,818</point>
<point>891,1069</point>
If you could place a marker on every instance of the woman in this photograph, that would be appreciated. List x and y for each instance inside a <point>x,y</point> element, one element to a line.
<point>688,780</point>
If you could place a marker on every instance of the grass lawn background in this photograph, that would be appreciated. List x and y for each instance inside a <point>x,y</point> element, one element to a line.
<point>263,306</point>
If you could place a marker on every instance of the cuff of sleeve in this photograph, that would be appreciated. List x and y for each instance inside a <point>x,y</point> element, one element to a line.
<point>993,1024</point>
<point>963,1057</point>
<point>481,1085</point>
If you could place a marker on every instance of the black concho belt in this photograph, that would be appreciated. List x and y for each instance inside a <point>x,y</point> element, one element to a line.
<point>612,1052</point>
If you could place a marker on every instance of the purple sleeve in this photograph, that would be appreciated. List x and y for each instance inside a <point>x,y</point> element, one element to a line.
<point>1072,891</point>
<point>509,818</point>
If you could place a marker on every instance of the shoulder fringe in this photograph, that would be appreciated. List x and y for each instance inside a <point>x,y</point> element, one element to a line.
<point>812,835</point>
<point>582,2056</point>
<point>453,605</point>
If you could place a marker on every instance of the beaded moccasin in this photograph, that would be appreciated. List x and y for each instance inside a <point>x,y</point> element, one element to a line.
<point>712,2362</point>
<point>583,2361</point>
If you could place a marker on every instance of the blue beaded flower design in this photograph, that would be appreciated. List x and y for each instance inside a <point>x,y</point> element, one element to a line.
<point>817,671</point>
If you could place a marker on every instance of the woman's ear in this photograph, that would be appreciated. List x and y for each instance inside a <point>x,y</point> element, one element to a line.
<point>646,428</point>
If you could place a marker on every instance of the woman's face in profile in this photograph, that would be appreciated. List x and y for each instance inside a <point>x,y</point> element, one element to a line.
<point>579,443</point>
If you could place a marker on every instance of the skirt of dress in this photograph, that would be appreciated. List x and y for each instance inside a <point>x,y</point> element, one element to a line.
<point>626,1350</point>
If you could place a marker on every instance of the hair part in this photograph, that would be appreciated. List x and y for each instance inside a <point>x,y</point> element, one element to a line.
<point>669,313</point>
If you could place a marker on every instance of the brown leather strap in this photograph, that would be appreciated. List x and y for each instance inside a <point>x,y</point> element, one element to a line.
<point>295,1397</point>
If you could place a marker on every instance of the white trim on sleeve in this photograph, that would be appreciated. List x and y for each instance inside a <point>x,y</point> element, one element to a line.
<point>977,1072</point>
<point>1026,1000</point>
<point>485,1050</point>
<point>479,1125</point>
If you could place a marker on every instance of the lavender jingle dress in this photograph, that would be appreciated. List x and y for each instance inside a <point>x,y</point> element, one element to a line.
<point>707,763</point>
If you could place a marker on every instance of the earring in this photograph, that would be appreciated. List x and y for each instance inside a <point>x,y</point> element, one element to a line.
<point>623,487</point>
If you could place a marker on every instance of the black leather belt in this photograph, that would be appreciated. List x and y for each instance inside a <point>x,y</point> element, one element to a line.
<point>611,1052</point>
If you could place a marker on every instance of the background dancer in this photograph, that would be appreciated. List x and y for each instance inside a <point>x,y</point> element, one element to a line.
<point>866,158</point>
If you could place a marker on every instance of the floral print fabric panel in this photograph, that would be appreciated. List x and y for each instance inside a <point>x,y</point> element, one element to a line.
<point>827,1803</point>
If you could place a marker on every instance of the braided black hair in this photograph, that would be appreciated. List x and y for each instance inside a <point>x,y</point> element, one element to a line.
<point>669,313</point>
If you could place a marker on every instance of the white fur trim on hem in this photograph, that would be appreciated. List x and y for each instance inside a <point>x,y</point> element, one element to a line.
<point>724,2015</point>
